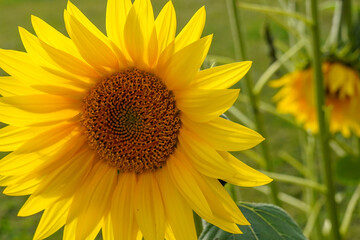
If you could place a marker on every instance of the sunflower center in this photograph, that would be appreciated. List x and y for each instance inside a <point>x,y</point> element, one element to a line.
<point>131,121</point>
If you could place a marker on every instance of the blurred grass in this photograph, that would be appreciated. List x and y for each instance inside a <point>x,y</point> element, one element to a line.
<point>14,13</point>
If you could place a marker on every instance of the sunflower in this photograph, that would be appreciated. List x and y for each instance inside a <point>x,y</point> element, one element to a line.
<point>342,96</point>
<point>122,133</point>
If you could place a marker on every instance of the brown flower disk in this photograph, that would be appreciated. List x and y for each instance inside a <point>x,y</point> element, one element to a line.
<point>131,121</point>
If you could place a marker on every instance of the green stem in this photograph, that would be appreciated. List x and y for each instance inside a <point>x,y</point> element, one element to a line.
<point>198,224</point>
<point>349,211</point>
<point>311,194</point>
<point>336,24</point>
<point>323,135</point>
<point>297,181</point>
<point>347,18</point>
<point>240,50</point>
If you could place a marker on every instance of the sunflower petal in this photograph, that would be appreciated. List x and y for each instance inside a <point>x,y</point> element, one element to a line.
<point>134,38</point>
<point>54,38</point>
<point>187,186</point>
<point>178,212</point>
<point>202,105</point>
<point>92,201</point>
<point>205,158</point>
<point>52,219</point>
<point>221,77</point>
<point>224,135</point>
<point>166,26</point>
<point>107,229</point>
<point>21,187</point>
<point>20,66</point>
<point>246,176</point>
<point>192,31</point>
<point>10,86</point>
<point>20,118</point>
<point>122,206</point>
<point>93,49</point>
<point>47,138</point>
<point>70,230</point>
<point>116,14</point>
<point>12,137</point>
<point>183,65</point>
<point>145,13</point>
<point>41,103</point>
<point>69,62</point>
<point>186,178</point>
<point>149,207</point>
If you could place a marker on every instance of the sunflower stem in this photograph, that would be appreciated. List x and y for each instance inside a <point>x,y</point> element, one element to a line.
<point>198,224</point>
<point>240,51</point>
<point>323,134</point>
<point>347,18</point>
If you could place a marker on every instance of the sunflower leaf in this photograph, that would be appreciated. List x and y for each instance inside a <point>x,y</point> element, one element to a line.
<point>268,222</point>
<point>347,169</point>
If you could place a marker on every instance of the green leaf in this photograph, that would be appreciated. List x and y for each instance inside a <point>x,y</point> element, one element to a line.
<point>268,222</point>
<point>347,169</point>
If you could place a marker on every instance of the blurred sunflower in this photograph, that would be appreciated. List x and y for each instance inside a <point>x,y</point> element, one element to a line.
<point>122,132</point>
<point>342,85</point>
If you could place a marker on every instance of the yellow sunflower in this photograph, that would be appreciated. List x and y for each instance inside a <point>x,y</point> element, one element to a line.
<point>342,86</point>
<point>122,132</point>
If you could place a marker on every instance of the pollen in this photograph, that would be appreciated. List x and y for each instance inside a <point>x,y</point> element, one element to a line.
<point>131,120</point>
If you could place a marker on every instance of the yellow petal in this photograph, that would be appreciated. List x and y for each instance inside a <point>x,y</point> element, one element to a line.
<point>36,203</point>
<point>224,135</point>
<point>204,158</point>
<point>187,179</point>
<point>10,86</point>
<point>52,219</point>
<point>14,164</point>
<point>192,31</point>
<point>40,56</point>
<point>107,229</point>
<point>21,187</point>
<point>12,137</point>
<point>223,197</point>
<point>54,38</point>
<point>68,178</point>
<point>92,201</point>
<point>152,52</point>
<point>41,103</point>
<point>187,186</point>
<point>69,62</point>
<point>145,14</point>
<point>182,67</point>
<point>70,230</point>
<point>246,176</point>
<point>178,212</point>
<point>47,138</point>
<point>20,66</point>
<point>122,207</point>
<point>77,94</point>
<point>116,14</point>
<point>149,207</point>
<point>166,26</point>
<point>96,51</point>
<point>221,77</point>
<point>134,38</point>
<point>202,105</point>
<point>20,118</point>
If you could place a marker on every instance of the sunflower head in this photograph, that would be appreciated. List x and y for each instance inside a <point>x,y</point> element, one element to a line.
<point>342,93</point>
<point>122,132</point>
